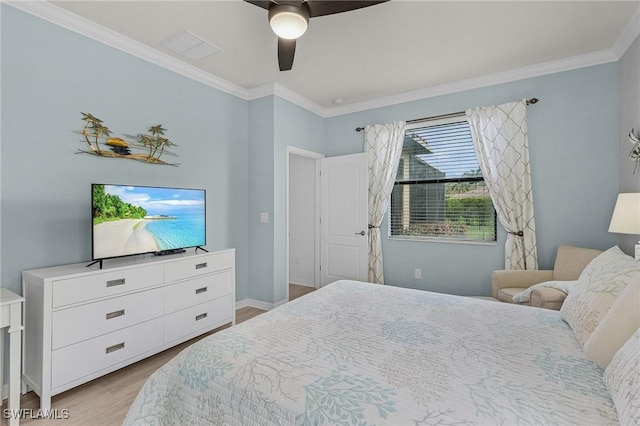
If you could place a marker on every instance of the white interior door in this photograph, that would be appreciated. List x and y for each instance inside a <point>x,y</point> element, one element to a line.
<point>344,236</point>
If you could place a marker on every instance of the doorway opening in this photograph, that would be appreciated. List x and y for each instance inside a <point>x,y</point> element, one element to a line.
<point>302,221</point>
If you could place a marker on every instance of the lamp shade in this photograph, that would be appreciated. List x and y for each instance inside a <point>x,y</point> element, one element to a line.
<point>626,214</point>
<point>288,21</point>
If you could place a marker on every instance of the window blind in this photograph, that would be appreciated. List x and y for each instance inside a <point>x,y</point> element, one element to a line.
<point>439,190</point>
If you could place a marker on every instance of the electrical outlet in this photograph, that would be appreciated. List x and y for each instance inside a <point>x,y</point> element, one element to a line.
<point>418,273</point>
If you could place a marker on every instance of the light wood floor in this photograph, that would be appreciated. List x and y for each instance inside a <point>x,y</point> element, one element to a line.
<point>296,291</point>
<point>106,400</point>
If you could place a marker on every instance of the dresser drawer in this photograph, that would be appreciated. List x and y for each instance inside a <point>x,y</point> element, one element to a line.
<point>83,322</point>
<point>190,320</point>
<point>76,361</point>
<point>197,290</point>
<point>200,265</point>
<point>98,285</point>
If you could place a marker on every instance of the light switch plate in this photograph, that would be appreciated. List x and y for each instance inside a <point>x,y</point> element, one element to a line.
<point>264,217</point>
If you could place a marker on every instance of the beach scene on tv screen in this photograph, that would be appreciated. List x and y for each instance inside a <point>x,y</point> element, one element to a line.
<point>135,219</point>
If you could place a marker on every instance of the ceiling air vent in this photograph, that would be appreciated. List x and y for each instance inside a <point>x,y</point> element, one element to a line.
<point>190,46</point>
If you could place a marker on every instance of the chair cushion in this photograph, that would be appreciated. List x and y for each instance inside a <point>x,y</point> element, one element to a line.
<point>506,295</point>
<point>622,320</point>
<point>547,298</point>
<point>589,300</point>
<point>622,378</point>
<point>562,286</point>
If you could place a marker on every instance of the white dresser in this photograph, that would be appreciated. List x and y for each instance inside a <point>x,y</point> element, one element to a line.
<point>83,322</point>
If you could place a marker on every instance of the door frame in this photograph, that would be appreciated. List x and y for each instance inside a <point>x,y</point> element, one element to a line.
<point>292,150</point>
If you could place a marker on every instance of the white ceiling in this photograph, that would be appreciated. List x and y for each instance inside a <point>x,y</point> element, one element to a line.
<point>380,51</point>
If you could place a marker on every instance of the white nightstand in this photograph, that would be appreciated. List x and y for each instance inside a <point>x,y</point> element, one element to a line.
<point>11,316</point>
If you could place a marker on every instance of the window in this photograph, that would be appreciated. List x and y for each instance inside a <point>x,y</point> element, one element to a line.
<point>439,191</point>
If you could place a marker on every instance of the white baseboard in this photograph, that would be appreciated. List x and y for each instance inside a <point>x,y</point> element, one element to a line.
<point>282,302</point>
<point>241,304</point>
<point>303,283</point>
<point>258,304</point>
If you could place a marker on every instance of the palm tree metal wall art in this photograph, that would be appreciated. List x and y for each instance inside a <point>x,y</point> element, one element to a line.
<point>147,148</point>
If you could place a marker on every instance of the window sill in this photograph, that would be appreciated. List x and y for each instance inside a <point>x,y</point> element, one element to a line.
<point>443,240</point>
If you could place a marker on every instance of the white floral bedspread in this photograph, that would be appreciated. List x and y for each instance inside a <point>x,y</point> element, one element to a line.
<point>356,353</point>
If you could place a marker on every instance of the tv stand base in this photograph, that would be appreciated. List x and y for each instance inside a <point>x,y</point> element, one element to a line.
<point>94,262</point>
<point>166,252</point>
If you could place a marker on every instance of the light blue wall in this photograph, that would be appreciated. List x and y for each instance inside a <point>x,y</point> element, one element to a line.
<point>49,75</point>
<point>294,126</point>
<point>274,123</point>
<point>261,198</point>
<point>573,143</point>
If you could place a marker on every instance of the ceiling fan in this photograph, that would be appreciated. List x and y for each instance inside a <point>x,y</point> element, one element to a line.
<point>289,20</point>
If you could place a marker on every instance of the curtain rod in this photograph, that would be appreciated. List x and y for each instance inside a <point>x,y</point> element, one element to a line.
<point>453,114</point>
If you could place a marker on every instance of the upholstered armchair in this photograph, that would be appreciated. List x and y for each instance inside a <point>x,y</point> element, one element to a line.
<point>569,263</point>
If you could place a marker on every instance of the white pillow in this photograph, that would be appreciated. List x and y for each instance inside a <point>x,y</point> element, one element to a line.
<point>622,378</point>
<point>622,320</point>
<point>600,283</point>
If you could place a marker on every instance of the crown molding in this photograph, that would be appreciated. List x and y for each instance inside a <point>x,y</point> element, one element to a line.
<point>279,90</point>
<point>301,101</point>
<point>59,16</point>
<point>261,91</point>
<point>566,64</point>
<point>628,35</point>
<point>70,21</point>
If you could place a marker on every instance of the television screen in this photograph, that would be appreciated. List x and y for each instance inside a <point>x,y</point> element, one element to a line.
<point>130,220</point>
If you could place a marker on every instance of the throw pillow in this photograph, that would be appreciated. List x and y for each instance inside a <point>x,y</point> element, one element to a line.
<point>622,320</point>
<point>598,286</point>
<point>622,378</point>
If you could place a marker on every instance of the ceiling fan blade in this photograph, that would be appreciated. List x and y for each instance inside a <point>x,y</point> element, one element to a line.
<point>286,50</point>
<point>330,7</point>
<point>265,4</point>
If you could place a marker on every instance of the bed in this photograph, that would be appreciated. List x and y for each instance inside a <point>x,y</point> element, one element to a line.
<point>358,353</point>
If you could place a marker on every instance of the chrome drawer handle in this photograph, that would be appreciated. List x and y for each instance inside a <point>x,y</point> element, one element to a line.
<point>201,290</point>
<point>115,348</point>
<point>201,265</point>
<point>115,314</point>
<point>201,316</point>
<point>112,283</point>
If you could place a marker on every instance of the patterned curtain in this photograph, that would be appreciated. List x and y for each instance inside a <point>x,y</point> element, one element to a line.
<point>500,142</point>
<point>383,144</point>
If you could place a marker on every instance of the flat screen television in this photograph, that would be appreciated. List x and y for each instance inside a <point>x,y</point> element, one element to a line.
<point>130,220</point>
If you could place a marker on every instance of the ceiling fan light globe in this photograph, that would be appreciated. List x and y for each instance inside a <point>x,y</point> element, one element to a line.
<point>288,21</point>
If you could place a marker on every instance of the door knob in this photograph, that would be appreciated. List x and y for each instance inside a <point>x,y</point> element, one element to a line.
<point>360,233</point>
